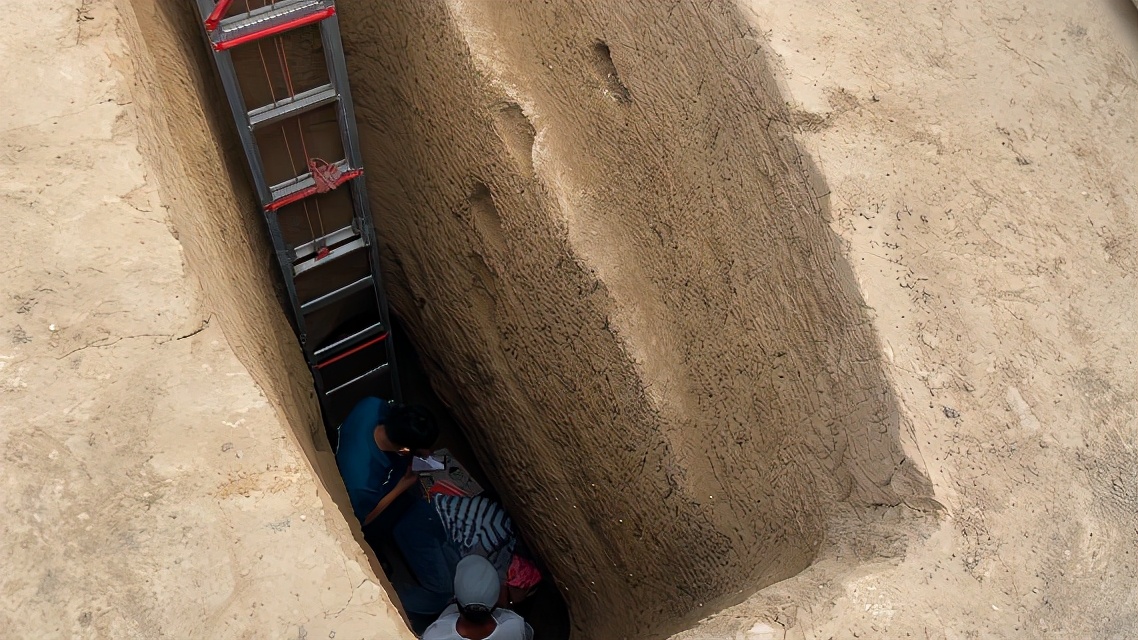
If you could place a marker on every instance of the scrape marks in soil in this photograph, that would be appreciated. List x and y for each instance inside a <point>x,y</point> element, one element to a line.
<point>606,70</point>
<point>517,133</point>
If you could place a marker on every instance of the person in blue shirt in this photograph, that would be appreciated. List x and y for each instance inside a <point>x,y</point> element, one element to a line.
<point>377,441</point>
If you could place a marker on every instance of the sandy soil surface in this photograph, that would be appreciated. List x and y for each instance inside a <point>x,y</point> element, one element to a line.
<point>142,498</point>
<point>980,168</point>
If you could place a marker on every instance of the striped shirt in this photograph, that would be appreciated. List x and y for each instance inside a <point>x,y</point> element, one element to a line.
<point>477,525</point>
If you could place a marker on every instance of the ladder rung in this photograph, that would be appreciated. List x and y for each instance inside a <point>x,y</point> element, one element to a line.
<point>328,298</point>
<point>270,20</point>
<point>351,340</point>
<point>356,349</point>
<point>302,186</point>
<point>380,369</point>
<point>336,237</point>
<point>301,102</point>
<point>319,260</point>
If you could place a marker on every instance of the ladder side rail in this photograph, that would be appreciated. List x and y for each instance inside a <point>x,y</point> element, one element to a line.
<point>256,169</point>
<point>359,192</point>
<point>224,63</point>
<point>338,74</point>
<point>321,394</point>
<point>206,8</point>
<point>389,344</point>
<point>284,261</point>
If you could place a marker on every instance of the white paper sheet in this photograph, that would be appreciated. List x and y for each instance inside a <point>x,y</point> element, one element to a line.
<point>426,464</point>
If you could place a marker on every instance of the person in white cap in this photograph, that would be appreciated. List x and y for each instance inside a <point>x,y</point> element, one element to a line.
<point>475,615</point>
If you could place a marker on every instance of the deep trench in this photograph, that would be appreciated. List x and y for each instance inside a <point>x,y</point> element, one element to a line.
<point>604,247</point>
<point>545,609</point>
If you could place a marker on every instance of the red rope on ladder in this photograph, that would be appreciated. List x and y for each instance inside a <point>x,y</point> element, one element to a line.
<point>323,174</point>
<point>311,191</point>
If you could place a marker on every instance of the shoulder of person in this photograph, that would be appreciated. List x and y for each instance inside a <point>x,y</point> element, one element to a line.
<point>367,413</point>
<point>443,628</point>
<point>510,619</point>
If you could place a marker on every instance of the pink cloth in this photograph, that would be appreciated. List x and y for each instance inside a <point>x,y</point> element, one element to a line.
<point>522,573</point>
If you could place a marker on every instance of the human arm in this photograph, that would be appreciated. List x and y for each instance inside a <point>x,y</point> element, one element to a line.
<point>406,482</point>
<point>362,466</point>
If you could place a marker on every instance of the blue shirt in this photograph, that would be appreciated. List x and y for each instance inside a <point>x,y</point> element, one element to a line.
<point>370,474</point>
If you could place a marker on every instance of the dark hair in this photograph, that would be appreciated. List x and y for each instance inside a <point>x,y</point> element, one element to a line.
<point>476,613</point>
<point>411,427</point>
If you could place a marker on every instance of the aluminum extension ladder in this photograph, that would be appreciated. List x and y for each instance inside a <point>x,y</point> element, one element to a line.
<point>350,364</point>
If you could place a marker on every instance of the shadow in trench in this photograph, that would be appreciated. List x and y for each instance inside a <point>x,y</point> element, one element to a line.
<point>546,611</point>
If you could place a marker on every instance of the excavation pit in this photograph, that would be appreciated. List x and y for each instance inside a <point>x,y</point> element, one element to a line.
<point>644,327</point>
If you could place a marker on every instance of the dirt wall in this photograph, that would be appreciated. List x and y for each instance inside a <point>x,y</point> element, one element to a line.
<point>604,241</point>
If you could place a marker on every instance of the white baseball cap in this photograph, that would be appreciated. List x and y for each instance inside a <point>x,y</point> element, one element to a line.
<point>476,583</point>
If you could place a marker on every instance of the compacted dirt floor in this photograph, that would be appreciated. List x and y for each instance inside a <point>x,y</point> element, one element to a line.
<point>160,470</point>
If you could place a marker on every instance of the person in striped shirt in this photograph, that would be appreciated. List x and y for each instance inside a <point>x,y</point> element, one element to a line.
<point>480,526</point>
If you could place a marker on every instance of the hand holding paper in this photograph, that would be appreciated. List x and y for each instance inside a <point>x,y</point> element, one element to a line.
<point>425,464</point>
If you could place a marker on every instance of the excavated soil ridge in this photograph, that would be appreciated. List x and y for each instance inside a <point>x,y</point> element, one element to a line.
<point>603,240</point>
